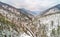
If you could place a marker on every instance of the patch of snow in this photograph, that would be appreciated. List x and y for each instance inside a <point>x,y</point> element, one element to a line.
<point>25,35</point>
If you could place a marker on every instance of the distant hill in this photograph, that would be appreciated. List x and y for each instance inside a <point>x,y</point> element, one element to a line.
<point>55,8</point>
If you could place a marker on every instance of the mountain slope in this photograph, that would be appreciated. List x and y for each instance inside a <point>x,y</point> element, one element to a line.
<point>15,16</point>
<point>55,8</point>
<point>22,11</point>
<point>6,27</point>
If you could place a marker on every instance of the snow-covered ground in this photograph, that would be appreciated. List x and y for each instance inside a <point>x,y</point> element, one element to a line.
<point>24,35</point>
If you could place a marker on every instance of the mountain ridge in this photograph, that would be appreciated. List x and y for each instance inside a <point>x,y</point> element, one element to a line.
<point>56,6</point>
<point>23,11</point>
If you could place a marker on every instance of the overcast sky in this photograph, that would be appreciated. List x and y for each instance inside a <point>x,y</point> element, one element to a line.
<point>34,5</point>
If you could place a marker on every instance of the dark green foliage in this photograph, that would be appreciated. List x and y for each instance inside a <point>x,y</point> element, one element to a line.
<point>58,30</point>
<point>53,31</point>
